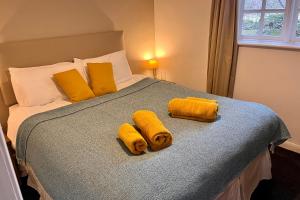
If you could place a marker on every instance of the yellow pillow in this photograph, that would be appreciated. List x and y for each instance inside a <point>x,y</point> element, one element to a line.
<point>102,78</point>
<point>73,85</point>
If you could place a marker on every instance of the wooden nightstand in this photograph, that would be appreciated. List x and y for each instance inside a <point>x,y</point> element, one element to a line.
<point>12,154</point>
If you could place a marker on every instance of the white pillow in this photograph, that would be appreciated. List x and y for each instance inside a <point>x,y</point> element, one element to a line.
<point>34,86</point>
<point>121,68</point>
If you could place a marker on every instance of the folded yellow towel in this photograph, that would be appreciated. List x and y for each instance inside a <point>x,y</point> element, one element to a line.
<point>203,99</point>
<point>153,130</point>
<point>193,109</point>
<point>132,139</point>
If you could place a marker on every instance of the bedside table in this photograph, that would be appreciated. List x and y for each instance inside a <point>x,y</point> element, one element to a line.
<point>12,154</point>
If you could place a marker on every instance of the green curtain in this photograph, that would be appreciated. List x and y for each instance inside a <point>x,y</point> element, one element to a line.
<point>223,48</point>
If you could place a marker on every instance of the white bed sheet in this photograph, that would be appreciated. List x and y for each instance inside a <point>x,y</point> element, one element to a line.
<point>17,113</point>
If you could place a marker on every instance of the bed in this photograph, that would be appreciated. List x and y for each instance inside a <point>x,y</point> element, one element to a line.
<point>70,151</point>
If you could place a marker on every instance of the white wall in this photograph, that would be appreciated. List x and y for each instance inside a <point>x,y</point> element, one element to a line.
<point>32,19</point>
<point>28,19</point>
<point>182,32</point>
<point>271,77</point>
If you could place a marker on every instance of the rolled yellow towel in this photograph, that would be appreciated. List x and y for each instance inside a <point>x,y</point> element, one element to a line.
<point>132,139</point>
<point>153,130</point>
<point>193,109</point>
<point>203,99</point>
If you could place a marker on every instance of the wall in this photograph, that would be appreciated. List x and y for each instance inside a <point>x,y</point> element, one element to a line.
<point>271,77</point>
<point>32,19</point>
<point>27,19</point>
<point>182,33</point>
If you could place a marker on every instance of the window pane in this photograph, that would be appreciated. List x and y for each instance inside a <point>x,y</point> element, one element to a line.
<point>253,4</point>
<point>298,26</point>
<point>273,24</point>
<point>275,4</point>
<point>250,24</point>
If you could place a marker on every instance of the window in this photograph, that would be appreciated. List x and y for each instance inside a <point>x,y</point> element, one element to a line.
<point>272,21</point>
<point>298,20</point>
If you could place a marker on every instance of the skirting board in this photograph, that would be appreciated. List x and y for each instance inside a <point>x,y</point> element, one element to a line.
<point>291,146</point>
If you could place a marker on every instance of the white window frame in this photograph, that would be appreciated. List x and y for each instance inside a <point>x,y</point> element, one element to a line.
<point>296,12</point>
<point>288,35</point>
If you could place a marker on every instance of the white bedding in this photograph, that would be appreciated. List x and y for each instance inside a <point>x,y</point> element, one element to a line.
<point>17,113</point>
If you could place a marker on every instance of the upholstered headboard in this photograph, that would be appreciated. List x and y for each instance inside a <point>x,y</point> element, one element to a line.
<point>49,51</point>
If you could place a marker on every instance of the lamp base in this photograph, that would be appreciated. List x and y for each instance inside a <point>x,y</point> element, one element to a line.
<point>154,73</point>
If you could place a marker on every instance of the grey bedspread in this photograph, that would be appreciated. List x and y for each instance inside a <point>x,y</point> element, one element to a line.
<point>74,152</point>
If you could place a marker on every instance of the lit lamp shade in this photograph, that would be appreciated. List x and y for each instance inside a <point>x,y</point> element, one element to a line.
<point>152,64</point>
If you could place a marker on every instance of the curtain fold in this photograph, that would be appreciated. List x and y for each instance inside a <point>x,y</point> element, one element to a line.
<point>223,48</point>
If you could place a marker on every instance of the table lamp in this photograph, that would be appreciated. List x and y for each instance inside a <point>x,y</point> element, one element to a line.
<point>153,64</point>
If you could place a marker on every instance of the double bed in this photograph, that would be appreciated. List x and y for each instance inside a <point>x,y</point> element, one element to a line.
<point>71,151</point>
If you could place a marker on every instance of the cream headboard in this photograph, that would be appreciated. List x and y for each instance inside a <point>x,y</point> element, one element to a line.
<point>49,51</point>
